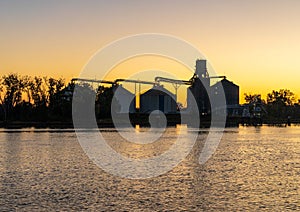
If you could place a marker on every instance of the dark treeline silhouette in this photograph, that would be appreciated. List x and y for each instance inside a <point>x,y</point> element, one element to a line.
<point>25,98</point>
<point>278,107</point>
<point>46,99</point>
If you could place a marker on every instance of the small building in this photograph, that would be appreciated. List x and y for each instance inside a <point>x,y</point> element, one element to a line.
<point>158,98</point>
<point>67,92</point>
<point>231,91</point>
<point>124,98</point>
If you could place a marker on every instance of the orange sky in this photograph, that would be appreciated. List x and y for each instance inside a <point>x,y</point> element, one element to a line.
<point>254,43</point>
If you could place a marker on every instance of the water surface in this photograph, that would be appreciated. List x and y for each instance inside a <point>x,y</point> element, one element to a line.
<point>252,169</point>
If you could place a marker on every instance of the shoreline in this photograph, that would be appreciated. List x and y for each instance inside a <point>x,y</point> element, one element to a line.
<point>110,124</point>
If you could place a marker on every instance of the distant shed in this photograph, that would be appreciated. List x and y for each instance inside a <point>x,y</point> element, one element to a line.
<point>125,99</point>
<point>158,98</point>
<point>232,96</point>
<point>231,91</point>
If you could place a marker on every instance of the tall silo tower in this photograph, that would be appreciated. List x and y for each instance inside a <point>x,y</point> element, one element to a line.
<point>201,72</point>
<point>199,88</point>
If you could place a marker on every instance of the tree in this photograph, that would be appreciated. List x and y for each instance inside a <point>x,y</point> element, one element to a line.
<point>252,98</point>
<point>280,104</point>
<point>58,107</point>
<point>255,112</point>
<point>284,97</point>
<point>38,92</point>
<point>54,86</point>
<point>104,98</point>
<point>2,99</point>
<point>13,87</point>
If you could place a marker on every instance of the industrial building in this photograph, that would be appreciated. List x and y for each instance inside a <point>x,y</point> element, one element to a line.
<point>199,91</point>
<point>231,92</point>
<point>124,99</point>
<point>201,87</point>
<point>158,98</point>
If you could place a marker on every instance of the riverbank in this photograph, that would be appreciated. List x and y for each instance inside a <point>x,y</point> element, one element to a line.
<point>109,124</point>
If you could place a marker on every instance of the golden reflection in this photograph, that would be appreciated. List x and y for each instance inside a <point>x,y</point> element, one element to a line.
<point>181,129</point>
<point>137,128</point>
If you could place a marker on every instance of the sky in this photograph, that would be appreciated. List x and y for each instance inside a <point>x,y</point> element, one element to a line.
<point>254,43</point>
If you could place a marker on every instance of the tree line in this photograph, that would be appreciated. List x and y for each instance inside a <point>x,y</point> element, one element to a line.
<point>26,98</point>
<point>277,107</point>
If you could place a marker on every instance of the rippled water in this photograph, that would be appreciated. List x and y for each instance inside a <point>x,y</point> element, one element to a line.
<point>252,169</point>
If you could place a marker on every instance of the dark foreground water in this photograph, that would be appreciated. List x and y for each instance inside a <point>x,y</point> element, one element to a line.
<point>253,169</point>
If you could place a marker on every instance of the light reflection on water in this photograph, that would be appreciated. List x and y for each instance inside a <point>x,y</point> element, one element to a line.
<point>252,169</point>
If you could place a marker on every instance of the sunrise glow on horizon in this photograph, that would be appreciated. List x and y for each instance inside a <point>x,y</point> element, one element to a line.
<point>254,43</point>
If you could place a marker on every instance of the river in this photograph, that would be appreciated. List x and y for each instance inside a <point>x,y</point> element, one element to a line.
<point>252,169</point>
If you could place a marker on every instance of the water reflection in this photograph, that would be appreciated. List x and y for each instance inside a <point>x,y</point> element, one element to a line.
<point>252,169</point>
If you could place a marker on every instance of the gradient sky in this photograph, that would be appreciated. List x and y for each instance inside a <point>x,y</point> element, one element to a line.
<point>255,43</point>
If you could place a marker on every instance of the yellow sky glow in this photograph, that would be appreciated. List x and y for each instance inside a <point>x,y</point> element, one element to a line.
<point>254,43</point>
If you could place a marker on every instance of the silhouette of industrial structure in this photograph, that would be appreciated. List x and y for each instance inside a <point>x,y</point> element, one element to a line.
<point>159,98</point>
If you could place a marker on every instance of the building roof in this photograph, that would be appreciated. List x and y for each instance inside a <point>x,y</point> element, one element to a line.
<point>122,90</point>
<point>225,81</point>
<point>158,90</point>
